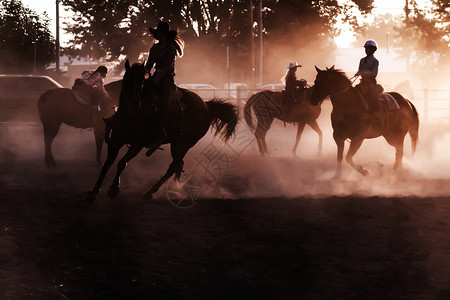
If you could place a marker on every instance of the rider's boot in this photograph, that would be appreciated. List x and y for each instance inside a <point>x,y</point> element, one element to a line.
<point>157,143</point>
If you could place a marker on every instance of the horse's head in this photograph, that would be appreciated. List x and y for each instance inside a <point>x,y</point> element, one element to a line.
<point>133,83</point>
<point>328,82</point>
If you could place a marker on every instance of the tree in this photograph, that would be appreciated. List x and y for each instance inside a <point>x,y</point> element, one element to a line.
<point>113,29</point>
<point>424,37</point>
<point>22,32</point>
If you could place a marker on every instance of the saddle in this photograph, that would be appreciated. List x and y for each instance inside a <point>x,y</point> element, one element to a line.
<point>385,100</point>
<point>288,101</point>
<point>84,93</point>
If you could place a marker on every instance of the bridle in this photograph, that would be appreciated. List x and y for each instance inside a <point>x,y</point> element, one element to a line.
<point>352,80</point>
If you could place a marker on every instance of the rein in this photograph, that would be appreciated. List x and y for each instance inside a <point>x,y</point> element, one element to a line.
<point>346,89</point>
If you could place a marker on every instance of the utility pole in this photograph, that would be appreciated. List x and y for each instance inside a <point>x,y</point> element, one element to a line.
<point>408,54</point>
<point>252,45</point>
<point>260,36</point>
<point>57,37</point>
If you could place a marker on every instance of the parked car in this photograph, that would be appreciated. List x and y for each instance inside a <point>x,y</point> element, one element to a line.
<point>205,91</point>
<point>276,87</point>
<point>19,95</point>
<point>238,86</point>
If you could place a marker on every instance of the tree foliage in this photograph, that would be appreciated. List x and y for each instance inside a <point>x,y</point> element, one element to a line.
<point>21,32</point>
<point>110,28</point>
<point>424,37</point>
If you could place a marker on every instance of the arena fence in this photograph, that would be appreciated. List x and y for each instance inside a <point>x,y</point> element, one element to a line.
<point>432,105</point>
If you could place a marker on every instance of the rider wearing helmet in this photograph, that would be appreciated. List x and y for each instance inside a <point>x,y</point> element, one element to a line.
<point>368,70</point>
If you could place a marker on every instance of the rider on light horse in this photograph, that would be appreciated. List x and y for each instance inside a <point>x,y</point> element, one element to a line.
<point>368,70</point>
<point>90,87</point>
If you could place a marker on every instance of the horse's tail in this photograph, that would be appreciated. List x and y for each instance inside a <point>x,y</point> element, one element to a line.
<point>224,117</point>
<point>414,127</point>
<point>248,111</point>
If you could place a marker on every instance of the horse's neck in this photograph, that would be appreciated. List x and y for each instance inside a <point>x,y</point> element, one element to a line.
<point>348,101</point>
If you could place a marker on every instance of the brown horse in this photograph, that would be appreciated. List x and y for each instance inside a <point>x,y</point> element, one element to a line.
<point>132,127</point>
<point>268,105</point>
<point>351,120</point>
<point>60,105</point>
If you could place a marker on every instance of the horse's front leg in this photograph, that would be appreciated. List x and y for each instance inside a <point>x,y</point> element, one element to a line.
<point>99,134</point>
<point>340,154</point>
<point>113,151</point>
<point>355,144</point>
<point>131,153</point>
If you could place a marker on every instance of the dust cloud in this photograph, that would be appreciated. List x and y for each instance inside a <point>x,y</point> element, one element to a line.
<point>236,170</point>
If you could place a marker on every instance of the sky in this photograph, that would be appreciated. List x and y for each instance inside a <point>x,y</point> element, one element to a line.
<point>394,7</point>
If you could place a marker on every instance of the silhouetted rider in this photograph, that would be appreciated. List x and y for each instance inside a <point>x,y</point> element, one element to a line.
<point>368,70</point>
<point>294,87</point>
<point>162,56</point>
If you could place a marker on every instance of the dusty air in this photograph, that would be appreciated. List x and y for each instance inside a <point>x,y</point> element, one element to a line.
<point>224,149</point>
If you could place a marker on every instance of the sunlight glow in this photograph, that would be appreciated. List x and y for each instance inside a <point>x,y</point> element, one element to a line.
<point>381,7</point>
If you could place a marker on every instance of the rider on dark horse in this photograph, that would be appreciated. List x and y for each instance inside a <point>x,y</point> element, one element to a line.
<point>162,56</point>
<point>368,70</point>
<point>294,88</point>
<point>90,88</point>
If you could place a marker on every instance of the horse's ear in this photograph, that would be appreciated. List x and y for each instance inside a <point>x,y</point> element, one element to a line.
<point>317,69</point>
<point>127,65</point>
<point>327,68</point>
<point>332,68</point>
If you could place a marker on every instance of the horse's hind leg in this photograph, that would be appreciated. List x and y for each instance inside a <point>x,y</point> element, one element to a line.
<point>131,153</point>
<point>113,151</point>
<point>301,127</point>
<point>50,131</point>
<point>398,156</point>
<point>176,167</point>
<point>260,133</point>
<point>316,128</point>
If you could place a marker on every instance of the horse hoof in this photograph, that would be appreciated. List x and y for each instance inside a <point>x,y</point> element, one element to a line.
<point>91,197</point>
<point>148,195</point>
<point>50,164</point>
<point>113,191</point>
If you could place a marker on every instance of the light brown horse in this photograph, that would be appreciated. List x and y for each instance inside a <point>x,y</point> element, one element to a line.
<point>60,105</point>
<point>268,105</point>
<point>351,120</point>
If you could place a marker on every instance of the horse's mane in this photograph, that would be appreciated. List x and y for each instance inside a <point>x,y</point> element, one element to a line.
<point>340,73</point>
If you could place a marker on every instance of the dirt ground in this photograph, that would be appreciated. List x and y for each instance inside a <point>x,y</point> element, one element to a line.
<point>261,228</point>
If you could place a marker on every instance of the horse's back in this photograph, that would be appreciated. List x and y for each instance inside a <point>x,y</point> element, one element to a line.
<point>61,105</point>
<point>192,100</point>
<point>54,94</point>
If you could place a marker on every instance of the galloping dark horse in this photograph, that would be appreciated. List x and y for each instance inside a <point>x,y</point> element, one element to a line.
<point>351,120</point>
<point>268,105</point>
<point>60,105</point>
<point>198,116</point>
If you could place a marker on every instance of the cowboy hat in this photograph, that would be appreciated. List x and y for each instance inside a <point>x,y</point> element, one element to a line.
<point>293,65</point>
<point>162,27</point>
